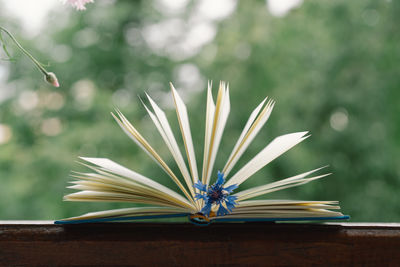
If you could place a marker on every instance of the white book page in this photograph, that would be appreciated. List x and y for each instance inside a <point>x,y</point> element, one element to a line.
<point>208,131</point>
<point>277,147</point>
<point>128,212</point>
<point>283,214</point>
<point>248,134</point>
<point>103,196</point>
<point>183,120</point>
<point>161,122</point>
<point>284,209</point>
<point>117,169</point>
<point>220,117</point>
<point>103,185</point>
<point>260,208</point>
<point>296,180</point>
<point>284,202</point>
<point>135,135</point>
<point>246,128</point>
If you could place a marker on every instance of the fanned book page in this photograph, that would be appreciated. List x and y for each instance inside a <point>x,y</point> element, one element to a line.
<point>203,197</point>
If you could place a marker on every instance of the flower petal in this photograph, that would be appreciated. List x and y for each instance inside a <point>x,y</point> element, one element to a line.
<point>199,185</point>
<point>230,188</point>
<point>200,196</point>
<point>222,211</point>
<point>220,180</point>
<point>230,202</point>
<point>206,209</point>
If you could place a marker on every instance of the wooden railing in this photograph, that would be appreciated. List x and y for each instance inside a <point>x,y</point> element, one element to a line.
<point>43,243</point>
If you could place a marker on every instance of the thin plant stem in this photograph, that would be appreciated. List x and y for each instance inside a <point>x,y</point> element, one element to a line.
<point>37,63</point>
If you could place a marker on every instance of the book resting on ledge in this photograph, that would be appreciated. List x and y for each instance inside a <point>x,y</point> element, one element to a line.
<point>204,195</point>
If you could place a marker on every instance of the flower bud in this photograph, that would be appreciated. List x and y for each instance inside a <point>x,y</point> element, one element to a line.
<point>51,78</point>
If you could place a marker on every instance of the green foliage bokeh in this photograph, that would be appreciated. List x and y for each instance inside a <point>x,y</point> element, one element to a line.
<point>331,66</point>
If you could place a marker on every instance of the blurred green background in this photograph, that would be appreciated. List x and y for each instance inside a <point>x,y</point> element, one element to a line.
<point>332,67</point>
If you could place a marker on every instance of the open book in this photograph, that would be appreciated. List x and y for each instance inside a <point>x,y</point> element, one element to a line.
<point>205,195</point>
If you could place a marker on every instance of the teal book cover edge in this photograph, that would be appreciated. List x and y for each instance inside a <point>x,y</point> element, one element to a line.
<point>137,218</point>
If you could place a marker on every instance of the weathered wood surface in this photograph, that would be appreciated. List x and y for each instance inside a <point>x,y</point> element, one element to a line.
<point>41,243</point>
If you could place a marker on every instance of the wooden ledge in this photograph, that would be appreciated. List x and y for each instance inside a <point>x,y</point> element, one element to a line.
<point>113,244</point>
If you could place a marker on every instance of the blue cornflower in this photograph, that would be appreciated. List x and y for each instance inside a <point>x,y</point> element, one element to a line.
<point>216,194</point>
